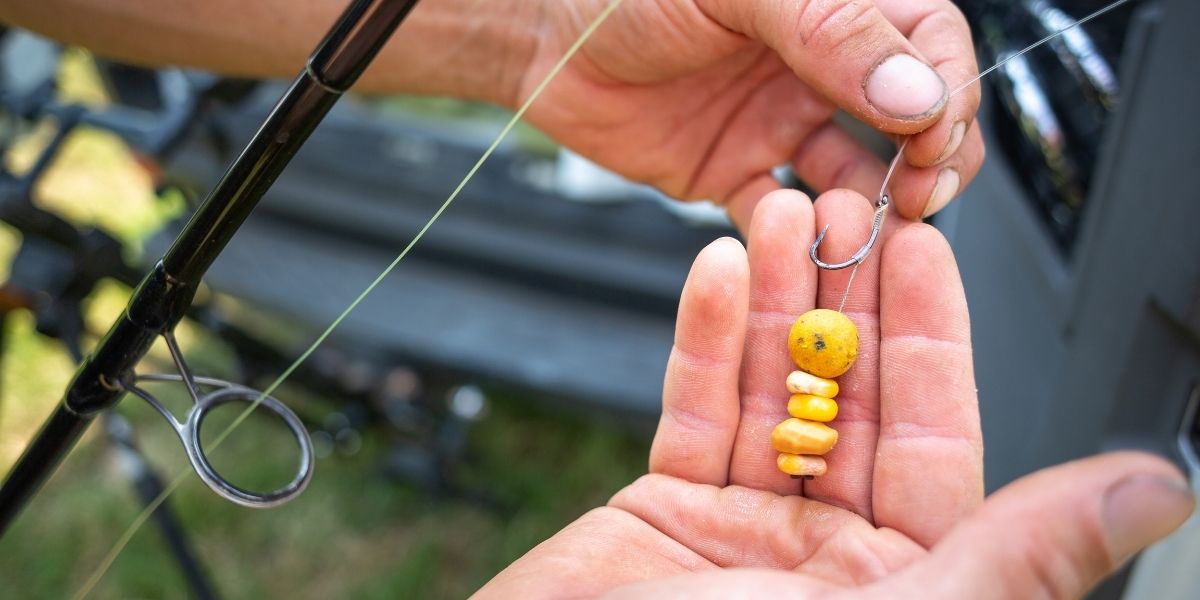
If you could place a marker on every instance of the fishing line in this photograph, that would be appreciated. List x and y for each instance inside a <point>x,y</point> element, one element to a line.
<point>900,151</point>
<point>882,194</point>
<point>1030,47</point>
<point>142,517</point>
<point>123,541</point>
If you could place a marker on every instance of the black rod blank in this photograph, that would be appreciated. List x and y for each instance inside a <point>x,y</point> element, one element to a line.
<point>162,298</point>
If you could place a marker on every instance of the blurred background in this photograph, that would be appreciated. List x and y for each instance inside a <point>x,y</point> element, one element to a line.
<point>506,378</point>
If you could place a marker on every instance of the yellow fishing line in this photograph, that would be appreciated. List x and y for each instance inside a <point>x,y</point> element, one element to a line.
<point>123,541</point>
<point>182,476</point>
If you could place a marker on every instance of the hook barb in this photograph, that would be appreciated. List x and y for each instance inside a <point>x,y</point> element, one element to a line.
<point>861,255</point>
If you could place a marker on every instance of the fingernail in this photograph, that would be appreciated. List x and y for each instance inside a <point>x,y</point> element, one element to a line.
<point>956,137</point>
<point>1141,509</point>
<point>943,191</point>
<point>905,88</point>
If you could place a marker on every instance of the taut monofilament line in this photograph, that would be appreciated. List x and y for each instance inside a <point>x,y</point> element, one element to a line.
<point>546,81</point>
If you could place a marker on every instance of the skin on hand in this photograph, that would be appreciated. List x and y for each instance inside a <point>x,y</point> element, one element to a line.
<point>703,98</point>
<point>901,511</point>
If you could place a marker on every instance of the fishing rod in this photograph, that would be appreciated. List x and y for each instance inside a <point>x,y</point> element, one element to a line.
<point>163,297</point>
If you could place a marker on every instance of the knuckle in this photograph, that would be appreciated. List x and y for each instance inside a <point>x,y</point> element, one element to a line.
<point>832,23</point>
<point>946,19</point>
<point>1050,580</point>
<point>958,19</point>
<point>942,17</point>
<point>1063,575</point>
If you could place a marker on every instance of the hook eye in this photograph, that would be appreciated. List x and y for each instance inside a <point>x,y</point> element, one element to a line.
<point>222,486</point>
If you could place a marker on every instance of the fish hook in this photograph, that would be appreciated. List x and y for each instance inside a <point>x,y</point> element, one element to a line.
<point>876,225</point>
<point>861,255</point>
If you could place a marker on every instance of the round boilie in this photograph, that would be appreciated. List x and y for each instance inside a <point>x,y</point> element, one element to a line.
<point>823,342</point>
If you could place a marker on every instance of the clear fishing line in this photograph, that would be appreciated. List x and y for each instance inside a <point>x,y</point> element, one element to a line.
<point>900,151</point>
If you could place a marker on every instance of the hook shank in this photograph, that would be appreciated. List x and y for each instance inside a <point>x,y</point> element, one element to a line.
<point>861,255</point>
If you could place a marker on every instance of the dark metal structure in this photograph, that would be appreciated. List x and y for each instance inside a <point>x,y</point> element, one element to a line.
<point>1086,319</point>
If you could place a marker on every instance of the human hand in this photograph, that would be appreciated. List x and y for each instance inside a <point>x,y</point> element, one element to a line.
<point>703,98</point>
<point>900,512</point>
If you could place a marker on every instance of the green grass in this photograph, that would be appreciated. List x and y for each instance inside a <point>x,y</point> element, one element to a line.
<point>352,534</point>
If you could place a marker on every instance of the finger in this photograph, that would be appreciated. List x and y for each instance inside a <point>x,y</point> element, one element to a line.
<point>940,32</point>
<point>736,526</point>
<point>741,204</point>
<point>728,583</point>
<point>847,51</point>
<point>782,286</point>
<point>605,547</point>
<point>756,128</point>
<point>930,447</point>
<point>1053,534</point>
<point>700,393</point>
<point>831,158</point>
<point>848,482</point>
<point>919,192</point>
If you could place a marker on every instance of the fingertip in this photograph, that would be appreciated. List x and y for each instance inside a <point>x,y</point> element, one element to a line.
<point>784,197</point>
<point>1132,462</point>
<point>920,287</point>
<point>787,207</point>
<point>837,201</point>
<point>700,409</point>
<point>941,33</point>
<point>917,241</point>
<point>726,251</point>
<point>919,192</point>
<point>1142,509</point>
<point>945,137</point>
<point>721,264</point>
<point>907,92</point>
<point>716,288</point>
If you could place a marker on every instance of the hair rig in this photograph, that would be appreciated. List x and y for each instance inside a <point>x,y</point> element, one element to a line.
<point>824,344</point>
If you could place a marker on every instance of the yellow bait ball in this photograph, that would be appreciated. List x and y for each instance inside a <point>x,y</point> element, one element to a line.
<point>823,342</point>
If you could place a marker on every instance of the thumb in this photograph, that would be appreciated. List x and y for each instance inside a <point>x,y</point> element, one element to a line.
<point>1053,534</point>
<point>849,52</point>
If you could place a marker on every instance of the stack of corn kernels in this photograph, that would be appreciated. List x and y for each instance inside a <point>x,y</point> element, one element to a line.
<point>824,344</point>
<point>803,439</point>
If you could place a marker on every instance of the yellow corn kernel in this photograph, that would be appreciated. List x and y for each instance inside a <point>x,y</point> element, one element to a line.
<point>800,382</point>
<point>800,465</point>
<point>798,436</point>
<point>813,408</point>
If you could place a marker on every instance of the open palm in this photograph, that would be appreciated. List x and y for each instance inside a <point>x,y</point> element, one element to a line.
<point>904,489</point>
